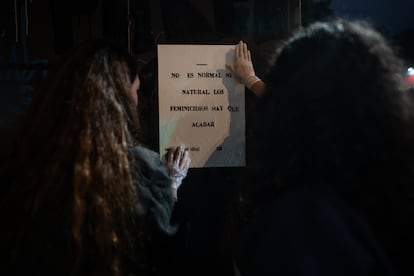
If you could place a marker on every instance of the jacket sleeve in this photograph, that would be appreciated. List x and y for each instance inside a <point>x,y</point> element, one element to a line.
<point>153,186</point>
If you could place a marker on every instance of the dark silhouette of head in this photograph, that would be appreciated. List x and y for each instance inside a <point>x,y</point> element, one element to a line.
<point>335,95</point>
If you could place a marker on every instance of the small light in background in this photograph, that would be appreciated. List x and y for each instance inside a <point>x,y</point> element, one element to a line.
<point>409,77</point>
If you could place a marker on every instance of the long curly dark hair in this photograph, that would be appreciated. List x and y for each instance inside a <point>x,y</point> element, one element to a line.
<point>335,115</point>
<point>69,209</point>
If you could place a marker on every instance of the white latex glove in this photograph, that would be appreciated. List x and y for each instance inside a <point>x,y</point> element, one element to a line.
<point>242,66</point>
<point>178,162</point>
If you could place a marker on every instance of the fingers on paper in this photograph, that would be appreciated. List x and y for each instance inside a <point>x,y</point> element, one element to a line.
<point>185,160</point>
<point>244,50</point>
<point>238,50</point>
<point>176,154</point>
<point>170,155</point>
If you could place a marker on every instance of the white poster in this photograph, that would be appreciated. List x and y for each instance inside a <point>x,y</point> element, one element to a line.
<point>201,105</point>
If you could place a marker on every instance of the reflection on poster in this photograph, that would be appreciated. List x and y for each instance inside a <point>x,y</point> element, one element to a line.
<point>201,105</point>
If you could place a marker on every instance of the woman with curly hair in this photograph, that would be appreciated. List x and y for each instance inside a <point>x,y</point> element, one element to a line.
<point>331,189</point>
<point>84,198</point>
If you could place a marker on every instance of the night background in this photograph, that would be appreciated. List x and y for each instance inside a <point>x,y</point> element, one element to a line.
<point>34,33</point>
<point>394,18</point>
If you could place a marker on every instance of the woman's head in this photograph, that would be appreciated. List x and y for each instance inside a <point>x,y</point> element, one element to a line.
<point>335,104</point>
<point>102,76</point>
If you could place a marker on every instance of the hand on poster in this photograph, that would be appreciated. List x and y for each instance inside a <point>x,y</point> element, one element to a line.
<point>242,66</point>
<point>177,163</point>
